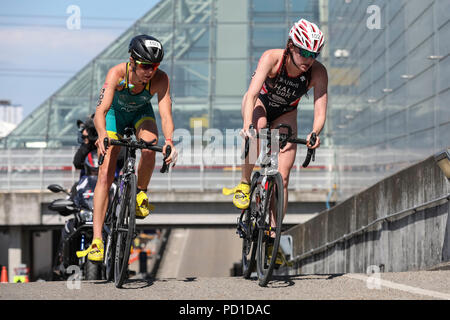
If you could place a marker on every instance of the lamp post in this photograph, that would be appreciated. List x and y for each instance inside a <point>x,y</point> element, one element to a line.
<point>442,159</point>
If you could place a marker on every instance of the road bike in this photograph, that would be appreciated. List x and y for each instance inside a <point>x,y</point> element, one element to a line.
<point>120,222</point>
<point>260,235</point>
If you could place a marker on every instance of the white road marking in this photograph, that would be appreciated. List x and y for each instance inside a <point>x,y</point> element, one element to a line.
<point>180,260</point>
<point>402,287</point>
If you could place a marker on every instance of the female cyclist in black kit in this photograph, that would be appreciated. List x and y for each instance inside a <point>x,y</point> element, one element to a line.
<point>282,77</point>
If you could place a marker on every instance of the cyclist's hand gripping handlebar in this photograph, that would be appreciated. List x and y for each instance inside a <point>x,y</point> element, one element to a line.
<point>102,157</point>
<point>165,166</point>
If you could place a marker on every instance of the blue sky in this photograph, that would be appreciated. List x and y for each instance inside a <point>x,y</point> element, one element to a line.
<point>39,53</point>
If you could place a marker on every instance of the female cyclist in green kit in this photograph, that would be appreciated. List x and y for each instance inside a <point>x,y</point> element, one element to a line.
<point>125,102</point>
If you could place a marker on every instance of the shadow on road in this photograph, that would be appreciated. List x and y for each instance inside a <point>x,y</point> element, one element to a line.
<point>288,281</point>
<point>141,283</point>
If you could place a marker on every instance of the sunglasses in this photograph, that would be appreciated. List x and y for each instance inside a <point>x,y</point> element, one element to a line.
<point>308,54</point>
<point>147,65</point>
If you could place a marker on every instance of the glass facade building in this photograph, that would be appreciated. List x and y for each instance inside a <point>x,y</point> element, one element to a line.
<point>390,72</point>
<point>387,64</point>
<point>211,49</point>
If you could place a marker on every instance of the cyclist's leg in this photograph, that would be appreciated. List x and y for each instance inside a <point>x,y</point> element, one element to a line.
<point>259,121</point>
<point>241,197</point>
<point>101,194</point>
<point>148,131</point>
<point>286,156</point>
<point>114,128</point>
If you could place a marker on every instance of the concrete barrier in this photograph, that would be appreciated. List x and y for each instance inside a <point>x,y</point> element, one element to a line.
<point>30,207</point>
<point>399,224</point>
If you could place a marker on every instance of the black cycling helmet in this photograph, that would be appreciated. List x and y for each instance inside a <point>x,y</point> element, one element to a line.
<point>146,48</point>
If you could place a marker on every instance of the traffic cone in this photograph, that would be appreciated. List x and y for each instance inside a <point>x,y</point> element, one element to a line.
<point>4,277</point>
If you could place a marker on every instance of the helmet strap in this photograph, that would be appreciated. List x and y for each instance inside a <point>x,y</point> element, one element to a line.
<point>133,69</point>
<point>290,55</point>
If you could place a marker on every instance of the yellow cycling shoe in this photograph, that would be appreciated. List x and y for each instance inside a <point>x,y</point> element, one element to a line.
<point>241,198</point>
<point>281,259</point>
<point>279,254</point>
<point>143,208</point>
<point>94,254</point>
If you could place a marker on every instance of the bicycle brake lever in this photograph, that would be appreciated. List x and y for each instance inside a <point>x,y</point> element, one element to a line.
<point>165,166</point>
<point>102,157</point>
<point>246,148</point>
<point>247,144</point>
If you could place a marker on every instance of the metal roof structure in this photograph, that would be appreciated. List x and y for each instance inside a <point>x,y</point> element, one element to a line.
<point>211,49</point>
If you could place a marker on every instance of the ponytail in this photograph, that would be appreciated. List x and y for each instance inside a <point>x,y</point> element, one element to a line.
<point>283,62</point>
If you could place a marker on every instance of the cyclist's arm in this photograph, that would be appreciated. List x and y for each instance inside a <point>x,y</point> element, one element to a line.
<point>165,108</point>
<point>265,65</point>
<point>320,84</point>
<point>104,104</point>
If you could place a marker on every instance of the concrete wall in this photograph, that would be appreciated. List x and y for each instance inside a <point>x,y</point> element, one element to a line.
<point>29,208</point>
<point>412,241</point>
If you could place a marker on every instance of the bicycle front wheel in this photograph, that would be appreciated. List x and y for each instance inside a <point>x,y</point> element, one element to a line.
<point>125,227</point>
<point>269,236</point>
<point>251,233</point>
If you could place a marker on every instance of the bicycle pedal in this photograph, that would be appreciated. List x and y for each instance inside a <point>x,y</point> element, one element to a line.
<point>240,233</point>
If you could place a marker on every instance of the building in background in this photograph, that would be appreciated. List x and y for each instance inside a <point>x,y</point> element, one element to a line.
<point>387,62</point>
<point>10,117</point>
<point>389,89</point>
<point>211,49</point>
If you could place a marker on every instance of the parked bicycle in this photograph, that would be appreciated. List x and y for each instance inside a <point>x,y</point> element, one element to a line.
<point>120,220</point>
<point>255,225</point>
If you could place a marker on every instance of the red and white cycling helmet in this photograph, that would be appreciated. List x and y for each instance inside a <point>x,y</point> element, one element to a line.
<point>307,35</point>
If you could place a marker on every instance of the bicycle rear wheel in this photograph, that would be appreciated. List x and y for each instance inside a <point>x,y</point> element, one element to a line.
<point>274,200</point>
<point>125,227</point>
<point>250,233</point>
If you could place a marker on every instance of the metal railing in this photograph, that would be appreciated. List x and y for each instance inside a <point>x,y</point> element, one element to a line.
<point>35,169</point>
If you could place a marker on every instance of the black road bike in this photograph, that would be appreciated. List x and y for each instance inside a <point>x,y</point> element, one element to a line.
<point>120,221</point>
<point>266,195</point>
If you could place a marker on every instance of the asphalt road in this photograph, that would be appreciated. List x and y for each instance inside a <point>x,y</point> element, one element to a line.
<point>200,253</point>
<point>420,285</point>
<point>196,266</point>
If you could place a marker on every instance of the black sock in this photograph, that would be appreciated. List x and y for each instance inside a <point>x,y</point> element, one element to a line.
<point>139,190</point>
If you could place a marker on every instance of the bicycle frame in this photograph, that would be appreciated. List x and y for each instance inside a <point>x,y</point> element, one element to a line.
<point>258,216</point>
<point>127,178</point>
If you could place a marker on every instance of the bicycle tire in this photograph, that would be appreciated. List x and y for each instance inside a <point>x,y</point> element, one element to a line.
<point>125,231</point>
<point>249,243</point>
<point>110,248</point>
<point>274,193</point>
<point>92,271</point>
